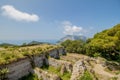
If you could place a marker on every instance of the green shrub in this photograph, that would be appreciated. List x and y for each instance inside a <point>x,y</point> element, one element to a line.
<point>3,73</point>
<point>30,77</point>
<point>86,76</point>
<point>96,54</point>
<point>66,76</point>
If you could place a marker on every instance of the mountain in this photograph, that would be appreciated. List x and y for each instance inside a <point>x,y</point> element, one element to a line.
<point>72,37</point>
<point>7,45</point>
<point>34,43</point>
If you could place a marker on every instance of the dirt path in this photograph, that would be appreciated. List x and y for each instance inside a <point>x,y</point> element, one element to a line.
<point>100,70</point>
<point>80,56</point>
<point>118,76</point>
<point>72,57</point>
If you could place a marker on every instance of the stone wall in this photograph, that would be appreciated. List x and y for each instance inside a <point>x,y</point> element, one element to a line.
<point>62,51</point>
<point>23,67</point>
<point>19,69</point>
<point>54,54</point>
<point>41,60</point>
<point>57,52</point>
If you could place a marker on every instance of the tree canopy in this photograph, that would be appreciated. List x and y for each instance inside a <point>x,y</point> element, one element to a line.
<point>73,46</point>
<point>105,43</point>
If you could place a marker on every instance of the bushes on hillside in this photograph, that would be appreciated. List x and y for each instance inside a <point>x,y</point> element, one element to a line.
<point>105,44</point>
<point>75,46</point>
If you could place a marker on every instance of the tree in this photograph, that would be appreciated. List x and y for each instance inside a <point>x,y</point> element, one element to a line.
<point>73,46</point>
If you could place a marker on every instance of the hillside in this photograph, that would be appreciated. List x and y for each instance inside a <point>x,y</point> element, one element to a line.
<point>7,45</point>
<point>32,43</point>
<point>106,43</point>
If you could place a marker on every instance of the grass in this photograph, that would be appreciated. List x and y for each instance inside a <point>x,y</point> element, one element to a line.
<point>86,76</point>
<point>51,69</point>
<point>66,76</point>
<point>14,53</point>
<point>114,78</point>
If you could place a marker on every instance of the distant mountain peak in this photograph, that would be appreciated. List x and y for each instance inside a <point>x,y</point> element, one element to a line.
<point>73,37</point>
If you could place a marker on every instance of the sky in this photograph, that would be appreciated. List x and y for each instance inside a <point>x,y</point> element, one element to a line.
<point>53,19</point>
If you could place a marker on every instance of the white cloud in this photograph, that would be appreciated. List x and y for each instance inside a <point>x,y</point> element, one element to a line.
<point>71,29</point>
<point>11,12</point>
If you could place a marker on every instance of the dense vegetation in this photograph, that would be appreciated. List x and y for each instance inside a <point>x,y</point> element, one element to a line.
<point>74,46</point>
<point>105,44</point>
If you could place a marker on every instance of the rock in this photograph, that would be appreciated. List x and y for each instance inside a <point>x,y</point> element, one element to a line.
<point>62,51</point>
<point>78,70</point>
<point>63,70</point>
<point>56,77</point>
<point>54,54</point>
<point>44,75</point>
<point>58,63</point>
<point>113,65</point>
<point>70,68</point>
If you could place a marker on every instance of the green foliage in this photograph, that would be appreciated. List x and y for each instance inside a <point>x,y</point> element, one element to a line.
<point>106,43</point>
<point>75,46</point>
<point>96,54</point>
<point>114,78</point>
<point>3,73</point>
<point>65,76</point>
<point>30,77</point>
<point>52,69</point>
<point>86,76</point>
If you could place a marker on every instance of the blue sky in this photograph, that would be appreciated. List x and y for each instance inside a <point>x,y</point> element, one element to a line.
<point>53,19</point>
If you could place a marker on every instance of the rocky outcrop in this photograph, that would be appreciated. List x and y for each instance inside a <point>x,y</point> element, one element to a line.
<point>60,63</point>
<point>44,75</point>
<point>112,66</point>
<point>54,54</point>
<point>63,70</point>
<point>19,69</point>
<point>23,67</point>
<point>40,60</point>
<point>62,51</point>
<point>78,70</point>
<point>57,52</point>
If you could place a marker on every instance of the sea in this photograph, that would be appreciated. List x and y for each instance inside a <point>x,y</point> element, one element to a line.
<point>20,42</point>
